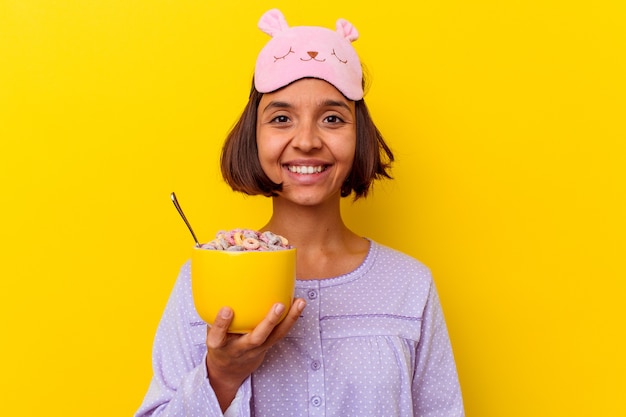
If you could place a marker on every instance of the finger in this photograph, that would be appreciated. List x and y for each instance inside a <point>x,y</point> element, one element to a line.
<point>217,333</point>
<point>259,334</point>
<point>295,312</point>
<point>277,329</point>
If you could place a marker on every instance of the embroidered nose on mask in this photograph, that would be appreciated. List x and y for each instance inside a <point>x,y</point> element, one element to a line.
<point>312,57</point>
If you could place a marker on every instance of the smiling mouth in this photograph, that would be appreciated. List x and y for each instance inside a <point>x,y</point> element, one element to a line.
<point>306,170</point>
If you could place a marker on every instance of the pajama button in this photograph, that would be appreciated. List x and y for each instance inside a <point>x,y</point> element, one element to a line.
<point>312,294</point>
<point>315,365</point>
<point>316,401</point>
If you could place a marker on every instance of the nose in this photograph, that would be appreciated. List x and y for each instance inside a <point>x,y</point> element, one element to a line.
<point>307,138</point>
<point>312,54</point>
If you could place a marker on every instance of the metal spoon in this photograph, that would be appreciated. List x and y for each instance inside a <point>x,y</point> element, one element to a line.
<point>180,211</point>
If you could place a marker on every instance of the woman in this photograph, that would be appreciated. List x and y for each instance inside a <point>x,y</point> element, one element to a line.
<point>372,340</point>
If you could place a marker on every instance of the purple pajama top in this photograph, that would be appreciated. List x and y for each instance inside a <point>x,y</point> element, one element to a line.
<point>370,343</point>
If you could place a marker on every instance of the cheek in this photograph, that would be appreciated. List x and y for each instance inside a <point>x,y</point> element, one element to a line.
<point>269,159</point>
<point>352,154</point>
<point>347,154</point>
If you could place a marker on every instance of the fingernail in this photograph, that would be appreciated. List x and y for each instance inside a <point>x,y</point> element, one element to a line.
<point>301,304</point>
<point>279,308</point>
<point>226,313</point>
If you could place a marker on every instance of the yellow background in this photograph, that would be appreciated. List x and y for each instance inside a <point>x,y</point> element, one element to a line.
<point>508,123</point>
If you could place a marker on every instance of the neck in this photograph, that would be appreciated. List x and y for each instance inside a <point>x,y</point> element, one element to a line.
<point>307,226</point>
<point>325,246</point>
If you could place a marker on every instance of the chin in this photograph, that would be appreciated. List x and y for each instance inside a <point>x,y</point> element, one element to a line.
<point>309,199</point>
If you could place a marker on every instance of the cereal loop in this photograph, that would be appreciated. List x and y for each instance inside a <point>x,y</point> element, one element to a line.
<point>238,237</point>
<point>251,244</point>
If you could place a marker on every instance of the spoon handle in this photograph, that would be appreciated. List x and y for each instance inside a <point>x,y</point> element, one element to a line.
<point>180,211</point>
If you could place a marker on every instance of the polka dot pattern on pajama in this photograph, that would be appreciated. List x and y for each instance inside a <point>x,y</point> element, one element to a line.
<point>372,342</point>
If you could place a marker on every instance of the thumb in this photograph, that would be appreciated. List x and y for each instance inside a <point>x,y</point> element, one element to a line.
<point>217,333</point>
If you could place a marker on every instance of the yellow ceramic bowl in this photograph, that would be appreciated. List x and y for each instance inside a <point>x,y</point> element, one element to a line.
<point>249,282</point>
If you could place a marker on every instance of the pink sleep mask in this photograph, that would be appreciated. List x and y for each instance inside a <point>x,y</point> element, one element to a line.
<point>308,51</point>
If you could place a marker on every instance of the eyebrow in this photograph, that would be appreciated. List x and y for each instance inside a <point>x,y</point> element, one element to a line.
<point>326,103</point>
<point>336,103</point>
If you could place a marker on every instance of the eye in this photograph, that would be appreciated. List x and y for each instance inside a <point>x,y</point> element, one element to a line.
<point>280,119</point>
<point>332,119</point>
<point>343,61</point>
<point>276,58</point>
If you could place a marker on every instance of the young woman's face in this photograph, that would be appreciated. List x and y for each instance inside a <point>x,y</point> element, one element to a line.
<point>306,138</point>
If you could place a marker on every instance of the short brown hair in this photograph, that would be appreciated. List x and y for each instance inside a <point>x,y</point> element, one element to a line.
<point>241,168</point>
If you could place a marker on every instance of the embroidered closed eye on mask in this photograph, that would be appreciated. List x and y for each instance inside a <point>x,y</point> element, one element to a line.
<point>308,52</point>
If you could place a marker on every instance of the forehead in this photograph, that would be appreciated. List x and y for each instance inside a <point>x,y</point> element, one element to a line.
<point>310,92</point>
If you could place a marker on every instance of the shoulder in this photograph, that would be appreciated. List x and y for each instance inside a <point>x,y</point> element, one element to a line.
<point>397,262</point>
<point>182,285</point>
<point>389,283</point>
<point>181,301</point>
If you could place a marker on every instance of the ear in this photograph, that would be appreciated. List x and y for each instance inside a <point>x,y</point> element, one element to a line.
<point>273,22</point>
<point>346,30</point>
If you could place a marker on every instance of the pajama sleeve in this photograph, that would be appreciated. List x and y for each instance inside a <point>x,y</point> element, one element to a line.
<point>180,385</point>
<point>436,389</point>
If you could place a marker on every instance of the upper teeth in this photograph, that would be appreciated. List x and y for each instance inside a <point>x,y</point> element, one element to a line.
<point>305,169</point>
